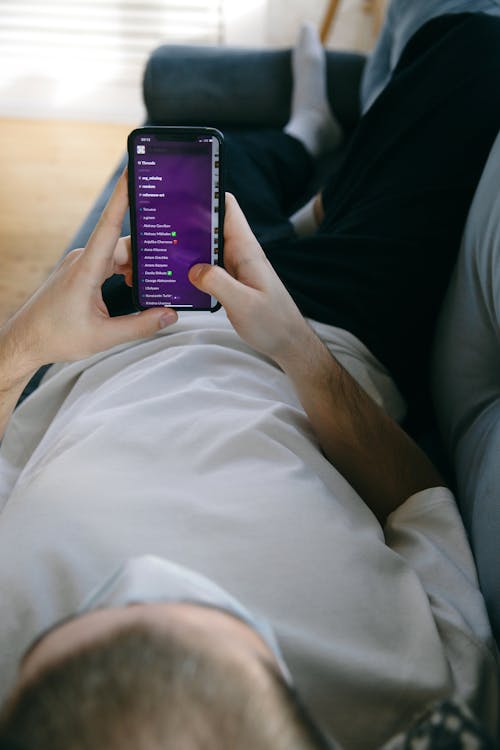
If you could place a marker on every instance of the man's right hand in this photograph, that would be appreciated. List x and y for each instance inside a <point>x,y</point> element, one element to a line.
<point>368,448</point>
<point>257,304</point>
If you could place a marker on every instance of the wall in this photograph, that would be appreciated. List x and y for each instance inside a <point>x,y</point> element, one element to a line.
<point>353,27</point>
<point>85,60</point>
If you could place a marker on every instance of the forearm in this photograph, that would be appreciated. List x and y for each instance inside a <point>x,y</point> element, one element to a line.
<point>375,456</point>
<point>369,449</point>
<point>16,371</point>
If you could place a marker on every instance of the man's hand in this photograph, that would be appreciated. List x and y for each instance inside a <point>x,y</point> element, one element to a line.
<point>375,456</point>
<point>66,319</point>
<point>257,304</point>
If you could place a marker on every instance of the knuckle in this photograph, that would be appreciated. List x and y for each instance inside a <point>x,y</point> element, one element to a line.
<point>207,275</point>
<point>208,272</point>
<point>75,253</point>
<point>71,257</point>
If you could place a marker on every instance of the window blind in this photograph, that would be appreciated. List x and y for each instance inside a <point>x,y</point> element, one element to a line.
<point>49,46</point>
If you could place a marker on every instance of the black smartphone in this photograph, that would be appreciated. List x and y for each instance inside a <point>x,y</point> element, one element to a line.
<point>176,193</point>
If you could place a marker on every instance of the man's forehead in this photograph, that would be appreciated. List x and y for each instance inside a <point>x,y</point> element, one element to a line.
<point>46,632</point>
<point>114,612</point>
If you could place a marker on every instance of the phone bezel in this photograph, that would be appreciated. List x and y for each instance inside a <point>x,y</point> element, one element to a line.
<point>172,132</point>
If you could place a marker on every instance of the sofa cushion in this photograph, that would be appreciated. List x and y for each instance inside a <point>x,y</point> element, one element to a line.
<point>466,380</point>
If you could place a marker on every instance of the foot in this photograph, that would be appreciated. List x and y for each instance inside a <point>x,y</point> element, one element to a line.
<point>307,219</point>
<point>312,122</point>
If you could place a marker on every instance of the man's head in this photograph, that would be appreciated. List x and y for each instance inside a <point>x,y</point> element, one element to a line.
<point>157,675</point>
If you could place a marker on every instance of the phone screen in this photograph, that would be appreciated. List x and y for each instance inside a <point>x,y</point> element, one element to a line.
<point>174,181</point>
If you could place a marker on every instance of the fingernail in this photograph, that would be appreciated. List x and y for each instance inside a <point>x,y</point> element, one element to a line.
<point>167,319</point>
<point>195,271</point>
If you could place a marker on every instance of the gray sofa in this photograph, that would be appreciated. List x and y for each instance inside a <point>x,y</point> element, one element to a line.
<point>465,380</point>
<point>241,89</point>
<point>231,89</point>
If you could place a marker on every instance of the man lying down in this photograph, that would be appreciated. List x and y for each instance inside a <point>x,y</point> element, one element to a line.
<point>213,532</point>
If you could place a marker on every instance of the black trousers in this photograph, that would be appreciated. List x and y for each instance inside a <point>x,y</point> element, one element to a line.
<point>379,263</point>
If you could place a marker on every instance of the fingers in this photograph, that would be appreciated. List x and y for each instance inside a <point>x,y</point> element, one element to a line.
<point>235,222</point>
<point>103,240</point>
<point>123,252</point>
<point>216,281</point>
<point>237,231</point>
<point>123,259</point>
<point>243,256</point>
<point>123,328</point>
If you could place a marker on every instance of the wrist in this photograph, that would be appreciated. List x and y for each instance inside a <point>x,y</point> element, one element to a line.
<point>304,354</point>
<point>17,363</point>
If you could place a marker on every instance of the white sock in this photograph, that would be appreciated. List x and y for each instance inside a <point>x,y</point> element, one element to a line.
<point>311,121</point>
<point>304,220</point>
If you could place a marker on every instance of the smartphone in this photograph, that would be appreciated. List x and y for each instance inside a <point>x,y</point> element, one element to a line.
<point>176,193</point>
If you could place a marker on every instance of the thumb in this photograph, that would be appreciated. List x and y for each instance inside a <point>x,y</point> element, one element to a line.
<point>216,281</point>
<point>141,325</point>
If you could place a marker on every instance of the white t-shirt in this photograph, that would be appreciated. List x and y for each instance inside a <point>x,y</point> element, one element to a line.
<point>191,446</point>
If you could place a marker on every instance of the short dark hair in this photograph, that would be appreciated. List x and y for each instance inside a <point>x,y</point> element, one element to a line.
<point>143,689</point>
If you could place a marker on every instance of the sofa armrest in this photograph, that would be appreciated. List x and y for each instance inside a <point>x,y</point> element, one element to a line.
<point>237,87</point>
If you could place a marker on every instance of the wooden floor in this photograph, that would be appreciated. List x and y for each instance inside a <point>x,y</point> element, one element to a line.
<point>51,174</point>
<point>54,170</point>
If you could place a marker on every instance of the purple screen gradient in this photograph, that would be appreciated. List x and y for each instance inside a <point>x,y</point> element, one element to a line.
<point>173,194</point>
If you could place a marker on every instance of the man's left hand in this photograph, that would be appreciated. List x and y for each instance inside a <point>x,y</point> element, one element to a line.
<point>66,319</point>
